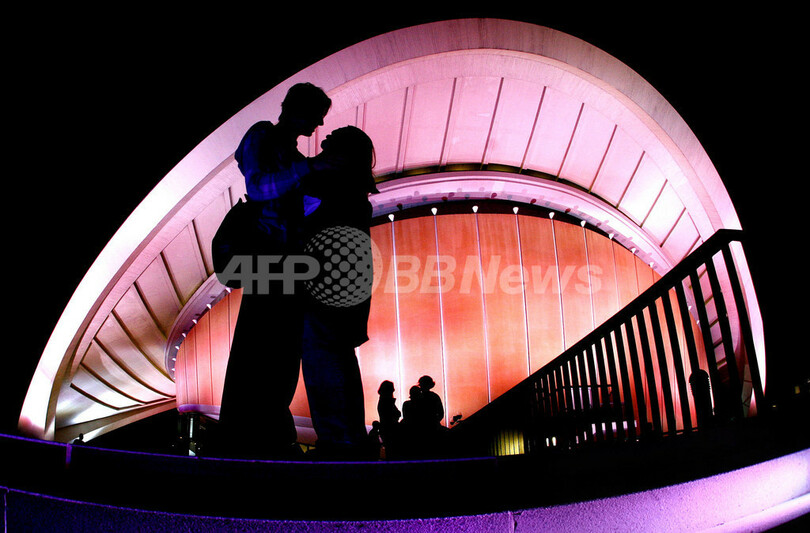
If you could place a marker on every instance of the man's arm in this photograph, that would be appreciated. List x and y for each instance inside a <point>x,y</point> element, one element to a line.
<point>266,180</point>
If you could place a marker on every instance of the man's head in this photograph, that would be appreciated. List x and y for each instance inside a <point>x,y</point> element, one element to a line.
<point>426,383</point>
<point>304,108</point>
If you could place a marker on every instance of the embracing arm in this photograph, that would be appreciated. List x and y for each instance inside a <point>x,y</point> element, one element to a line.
<point>266,180</point>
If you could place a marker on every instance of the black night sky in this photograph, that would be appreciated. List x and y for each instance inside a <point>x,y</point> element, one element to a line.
<point>104,104</point>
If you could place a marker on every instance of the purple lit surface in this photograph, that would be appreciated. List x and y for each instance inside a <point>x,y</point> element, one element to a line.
<point>753,498</point>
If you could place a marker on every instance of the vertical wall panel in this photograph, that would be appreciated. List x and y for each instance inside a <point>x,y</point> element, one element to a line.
<point>419,308</point>
<point>545,332</point>
<point>203,359</point>
<point>181,396</point>
<point>220,336</point>
<point>379,356</point>
<point>626,278</point>
<point>507,347</point>
<point>602,271</point>
<point>627,290</point>
<point>577,309</point>
<point>465,346</point>
<point>189,359</point>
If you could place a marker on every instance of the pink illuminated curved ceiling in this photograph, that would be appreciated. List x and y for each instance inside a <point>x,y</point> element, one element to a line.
<point>472,108</point>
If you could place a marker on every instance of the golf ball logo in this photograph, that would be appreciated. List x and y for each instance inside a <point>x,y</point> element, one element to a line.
<point>346,274</point>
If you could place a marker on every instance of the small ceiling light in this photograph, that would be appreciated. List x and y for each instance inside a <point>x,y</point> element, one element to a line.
<point>391,217</point>
<point>475,209</point>
<point>433,210</point>
<point>551,214</point>
<point>515,210</point>
<point>610,236</point>
<point>582,223</point>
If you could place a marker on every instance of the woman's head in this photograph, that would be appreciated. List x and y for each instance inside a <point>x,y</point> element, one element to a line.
<point>386,387</point>
<point>356,150</point>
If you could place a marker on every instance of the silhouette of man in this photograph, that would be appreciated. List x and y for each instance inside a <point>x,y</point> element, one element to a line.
<point>262,373</point>
<point>434,411</point>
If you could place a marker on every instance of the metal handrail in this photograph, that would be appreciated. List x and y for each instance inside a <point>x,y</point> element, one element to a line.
<point>627,380</point>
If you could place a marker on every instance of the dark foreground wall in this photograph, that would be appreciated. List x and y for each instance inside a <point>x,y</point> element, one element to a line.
<point>735,481</point>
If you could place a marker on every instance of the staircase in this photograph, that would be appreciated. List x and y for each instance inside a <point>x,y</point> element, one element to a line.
<point>678,359</point>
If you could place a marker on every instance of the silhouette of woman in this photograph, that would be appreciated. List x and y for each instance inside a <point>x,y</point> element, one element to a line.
<point>337,302</point>
<point>388,414</point>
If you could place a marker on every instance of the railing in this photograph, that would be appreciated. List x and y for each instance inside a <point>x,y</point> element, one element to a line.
<point>679,358</point>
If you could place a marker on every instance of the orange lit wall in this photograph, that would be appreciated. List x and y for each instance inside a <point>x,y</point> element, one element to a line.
<point>476,300</point>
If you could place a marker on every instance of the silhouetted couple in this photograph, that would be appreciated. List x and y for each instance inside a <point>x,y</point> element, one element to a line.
<point>420,433</point>
<point>285,326</point>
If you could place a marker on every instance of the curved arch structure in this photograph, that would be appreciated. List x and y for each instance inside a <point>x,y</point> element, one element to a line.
<point>471,108</point>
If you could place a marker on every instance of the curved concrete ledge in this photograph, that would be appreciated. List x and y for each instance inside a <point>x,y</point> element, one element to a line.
<point>773,493</point>
<point>742,478</point>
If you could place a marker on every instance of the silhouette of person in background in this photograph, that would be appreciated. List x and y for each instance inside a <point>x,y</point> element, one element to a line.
<point>412,434</point>
<point>412,408</point>
<point>434,411</point>
<point>337,302</point>
<point>262,373</point>
<point>388,415</point>
<point>422,414</point>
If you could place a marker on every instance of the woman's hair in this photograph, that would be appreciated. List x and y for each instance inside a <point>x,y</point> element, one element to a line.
<point>357,151</point>
<point>385,386</point>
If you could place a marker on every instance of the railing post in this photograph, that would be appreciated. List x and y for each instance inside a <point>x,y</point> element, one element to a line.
<point>593,382</point>
<point>677,360</point>
<point>702,402</point>
<point>627,393</point>
<point>663,372</point>
<point>579,426</point>
<point>735,385</point>
<point>717,386</point>
<point>570,428</point>
<point>655,410</point>
<point>602,390</point>
<point>745,330</point>
<point>616,399</point>
<point>637,378</point>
